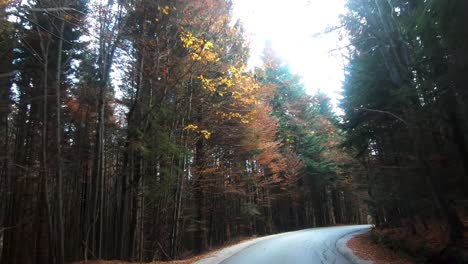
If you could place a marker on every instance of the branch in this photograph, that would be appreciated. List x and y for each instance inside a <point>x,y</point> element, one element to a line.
<point>55,9</point>
<point>327,31</point>
<point>7,74</point>
<point>383,112</point>
<point>3,229</point>
<point>162,250</point>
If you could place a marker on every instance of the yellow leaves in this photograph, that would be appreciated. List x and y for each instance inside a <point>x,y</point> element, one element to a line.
<point>247,88</point>
<point>226,81</point>
<point>199,49</point>
<point>207,84</point>
<point>237,71</point>
<point>208,45</point>
<point>187,38</point>
<point>209,56</point>
<point>245,118</point>
<point>216,85</point>
<point>205,133</point>
<point>229,115</point>
<point>240,85</point>
<point>165,9</point>
<point>243,91</point>
<point>191,127</point>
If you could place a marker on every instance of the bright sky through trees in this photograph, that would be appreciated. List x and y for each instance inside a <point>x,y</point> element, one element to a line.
<point>293,27</point>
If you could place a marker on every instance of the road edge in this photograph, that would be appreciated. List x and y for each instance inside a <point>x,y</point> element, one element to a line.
<point>343,249</point>
<point>223,254</point>
<point>219,256</point>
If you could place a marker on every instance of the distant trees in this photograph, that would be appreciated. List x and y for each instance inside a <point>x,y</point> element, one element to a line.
<point>132,130</point>
<point>309,137</point>
<point>406,106</point>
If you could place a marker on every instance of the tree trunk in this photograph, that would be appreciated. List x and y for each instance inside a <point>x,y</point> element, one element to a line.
<point>60,222</point>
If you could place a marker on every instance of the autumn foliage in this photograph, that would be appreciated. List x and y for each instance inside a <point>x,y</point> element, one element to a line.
<point>139,127</point>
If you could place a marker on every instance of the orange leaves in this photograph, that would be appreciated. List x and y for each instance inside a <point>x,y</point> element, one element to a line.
<point>234,105</point>
<point>4,3</point>
<point>73,105</point>
<point>260,138</point>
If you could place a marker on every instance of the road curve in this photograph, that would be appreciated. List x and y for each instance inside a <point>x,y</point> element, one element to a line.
<point>309,246</point>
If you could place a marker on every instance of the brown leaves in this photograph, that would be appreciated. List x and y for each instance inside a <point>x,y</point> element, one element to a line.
<point>364,247</point>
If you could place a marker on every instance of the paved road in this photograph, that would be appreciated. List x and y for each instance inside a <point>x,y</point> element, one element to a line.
<point>310,246</point>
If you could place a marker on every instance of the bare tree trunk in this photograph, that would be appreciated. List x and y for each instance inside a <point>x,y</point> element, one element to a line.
<point>269,209</point>
<point>180,181</point>
<point>45,54</point>
<point>142,221</point>
<point>178,201</point>
<point>60,222</point>
<point>109,38</point>
<point>329,205</point>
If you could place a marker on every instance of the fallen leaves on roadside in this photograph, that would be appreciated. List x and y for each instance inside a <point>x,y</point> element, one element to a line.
<point>363,247</point>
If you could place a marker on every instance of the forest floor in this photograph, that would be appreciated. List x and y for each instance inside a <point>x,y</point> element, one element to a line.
<point>317,245</point>
<point>381,246</point>
<point>185,261</point>
<point>401,245</point>
<point>190,260</point>
<point>366,249</point>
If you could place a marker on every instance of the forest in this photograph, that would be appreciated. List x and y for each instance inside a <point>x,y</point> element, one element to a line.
<point>136,130</point>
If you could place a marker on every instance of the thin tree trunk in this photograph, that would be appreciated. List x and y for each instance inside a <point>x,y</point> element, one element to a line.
<point>45,53</point>
<point>60,222</point>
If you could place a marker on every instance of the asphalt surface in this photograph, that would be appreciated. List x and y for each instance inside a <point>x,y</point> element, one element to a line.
<point>309,246</point>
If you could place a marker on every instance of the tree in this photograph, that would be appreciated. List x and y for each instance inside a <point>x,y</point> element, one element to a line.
<point>138,127</point>
<point>397,119</point>
<point>45,38</point>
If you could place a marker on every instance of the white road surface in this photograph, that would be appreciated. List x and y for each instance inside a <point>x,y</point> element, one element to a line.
<point>309,246</point>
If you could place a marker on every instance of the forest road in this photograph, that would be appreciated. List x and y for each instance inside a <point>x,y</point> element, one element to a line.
<point>309,246</point>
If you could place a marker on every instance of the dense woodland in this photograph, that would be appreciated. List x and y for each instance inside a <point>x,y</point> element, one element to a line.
<point>405,99</point>
<point>135,130</point>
